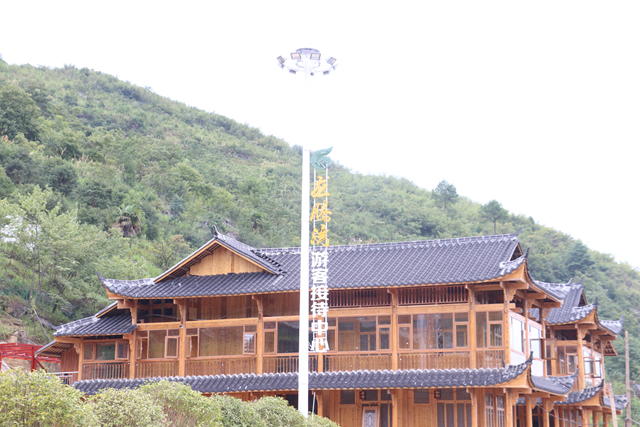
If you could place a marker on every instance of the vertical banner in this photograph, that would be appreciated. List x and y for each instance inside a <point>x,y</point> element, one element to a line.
<point>321,216</point>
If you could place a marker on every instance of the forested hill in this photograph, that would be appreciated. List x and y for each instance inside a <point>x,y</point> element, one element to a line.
<point>123,181</point>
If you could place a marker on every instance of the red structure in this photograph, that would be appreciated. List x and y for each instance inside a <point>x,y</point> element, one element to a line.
<point>25,352</point>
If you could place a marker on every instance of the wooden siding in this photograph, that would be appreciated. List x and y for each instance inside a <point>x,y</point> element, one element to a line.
<point>223,261</point>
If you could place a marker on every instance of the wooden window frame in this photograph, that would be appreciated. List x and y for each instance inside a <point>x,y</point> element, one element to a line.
<point>489,324</point>
<point>94,351</point>
<point>409,325</point>
<point>143,336</point>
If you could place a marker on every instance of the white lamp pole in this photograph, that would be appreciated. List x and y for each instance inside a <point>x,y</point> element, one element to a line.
<point>308,61</point>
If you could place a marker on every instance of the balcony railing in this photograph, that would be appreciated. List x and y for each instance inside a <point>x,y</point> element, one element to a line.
<point>490,359</point>
<point>221,366</point>
<point>435,360</point>
<point>160,368</point>
<point>359,298</point>
<point>355,362</point>
<point>67,378</point>
<point>455,294</point>
<point>105,371</point>
<point>276,364</point>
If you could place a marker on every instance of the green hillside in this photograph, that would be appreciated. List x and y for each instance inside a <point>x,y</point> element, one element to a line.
<point>120,180</point>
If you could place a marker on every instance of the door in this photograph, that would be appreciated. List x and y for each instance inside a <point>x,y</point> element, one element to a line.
<point>347,416</point>
<point>370,416</point>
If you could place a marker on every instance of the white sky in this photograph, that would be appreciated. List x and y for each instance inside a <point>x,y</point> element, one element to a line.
<point>534,104</point>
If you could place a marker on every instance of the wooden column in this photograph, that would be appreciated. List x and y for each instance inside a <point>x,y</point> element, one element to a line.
<point>528,411</point>
<point>586,415</point>
<point>580,334</point>
<point>474,408</point>
<point>80,350</point>
<point>509,403</point>
<point>395,422</point>
<point>182,354</point>
<point>394,331</point>
<point>506,337</point>
<point>480,399</point>
<point>547,405</point>
<point>606,419</point>
<point>596,417</point>
<point>259,335</point>
<point>132,354</point>
<point>320,403</point>
<point>527,308</point>
<point>472,327</point>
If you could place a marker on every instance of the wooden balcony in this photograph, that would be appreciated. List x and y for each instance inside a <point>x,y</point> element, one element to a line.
<point>435,360</point>
<point>67,378</point>
<point>105,371</point>
<point>359,298</point>
<point>277,364</point>
<point>221,366</point>
<point>490,359</point>
<point>456,294</point>
<point>357,361</point>
<point>156,368</point>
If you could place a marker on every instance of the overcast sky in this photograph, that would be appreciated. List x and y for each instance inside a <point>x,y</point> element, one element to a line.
<point>534,104</point>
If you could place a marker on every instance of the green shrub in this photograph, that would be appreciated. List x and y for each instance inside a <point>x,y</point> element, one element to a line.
<point>317,421</point>
<point>236,413</point>
<point>182,406</point>
<point>276,412</point>
<point>126,408</point>
<point>40,399</point>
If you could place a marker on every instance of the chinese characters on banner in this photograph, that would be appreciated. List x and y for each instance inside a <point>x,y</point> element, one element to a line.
<point>321,216</point>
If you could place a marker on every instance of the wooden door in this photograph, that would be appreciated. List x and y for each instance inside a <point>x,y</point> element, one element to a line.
<point>347,416</point>
<point>370,416</point>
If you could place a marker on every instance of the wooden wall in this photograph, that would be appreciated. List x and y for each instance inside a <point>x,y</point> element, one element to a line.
<point>69,360</point>
<point>232,307</point>
<point>223,261</point>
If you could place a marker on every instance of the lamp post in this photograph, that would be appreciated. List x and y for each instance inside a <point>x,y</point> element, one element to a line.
<point>309,62</point>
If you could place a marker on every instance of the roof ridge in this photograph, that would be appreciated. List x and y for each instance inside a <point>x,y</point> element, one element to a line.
<point>451,240</point>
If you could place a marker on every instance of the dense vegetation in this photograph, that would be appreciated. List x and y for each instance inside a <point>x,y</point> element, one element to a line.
<point>120,180</point>
<point>40,399</point>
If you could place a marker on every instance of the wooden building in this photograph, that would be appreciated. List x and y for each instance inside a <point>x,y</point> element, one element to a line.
<point>447,333</point>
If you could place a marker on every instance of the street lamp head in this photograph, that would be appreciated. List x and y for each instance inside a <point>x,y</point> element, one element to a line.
<point>307,60</point>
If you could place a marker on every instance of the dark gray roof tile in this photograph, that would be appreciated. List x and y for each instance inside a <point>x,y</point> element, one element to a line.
<point>619,400</point>
<point>613,326</point>
<point>119,323</point>
<point>555,385</point>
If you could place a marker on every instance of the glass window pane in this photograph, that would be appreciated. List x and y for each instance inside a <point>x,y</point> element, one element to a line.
<point>516,335</point>
<point>269,342</point>
<point>172,347</point>
<point>364,343</point>
<point>450,420</point>
<point>461,394</point>
<point>404,337</point>
<point>462,317</point>
<point>384,320</point>
<point>420,331</point>
<point>495,315</point>
<point>496,335</point>
<point>441,416</point>
<point>384,338</point>
<point>122,350</point>
<point>572,362</point>
<point>106,351</point>
<point>249,343</point>
<point>420,396</point>
<point>481,330</point>
<point>404,319</point>
<point>446,394</point>
<point>141,349</point>
<point>460,412</point>
<point>221,341</point>
<point>461,335</point>
<point>371,395</point>
<point>346,334</point>
<point>288,337</point>
<point>385,395</point>
<point>88,352</point>
<point>331,339</point>
<point>468,405</point>
<point>368,325</point>
<point>347,397</point>
<point>156,344</point>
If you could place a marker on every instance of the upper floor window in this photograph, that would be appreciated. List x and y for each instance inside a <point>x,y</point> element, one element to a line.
<point>118,350</point>
<point>433,331</point>
<point>489,329</point>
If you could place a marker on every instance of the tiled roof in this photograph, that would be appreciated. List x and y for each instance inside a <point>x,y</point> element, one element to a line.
<point>619,400</point>
<point>576,397</point>
<point>53,349</point>
<point>555,385</point>
<point>118,324</point>
<point>558,290</point>
<point>571,310</point>
<point>328,380</point>
<point>468,259</point>
<point>613,326</point>
<point>200,286</point>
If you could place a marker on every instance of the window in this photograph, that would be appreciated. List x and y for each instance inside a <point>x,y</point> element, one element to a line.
<point>371,333</point>
<point>433,331</point>
<point>158,344</point>
<point>105,351</point>
<point>567,361</point>
<point>489,329</point>
<point>454,408</point>
<point>347,397</point>
<point>517,335</point>
<point>489,410</point>
<point>158,310</point>
<point>420,396</point>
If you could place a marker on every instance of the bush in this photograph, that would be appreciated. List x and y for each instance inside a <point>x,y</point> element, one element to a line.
<point>40,399</point>
<point>276,412</point>
<point>182,406</point>
<point>126,408</point>
<point>236,413</point>
<point>317,421</point>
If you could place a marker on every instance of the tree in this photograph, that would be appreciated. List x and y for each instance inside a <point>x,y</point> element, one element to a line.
<point>177,206</point>
<point>494,212</point>
<point>6,185</point>
<point>18,113</point>
<point>126,407</point>
<point>40,399</point>
<point>128,220</point>
<point>578,259</point>
<point>167,252</point>
<point>445,193</point>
